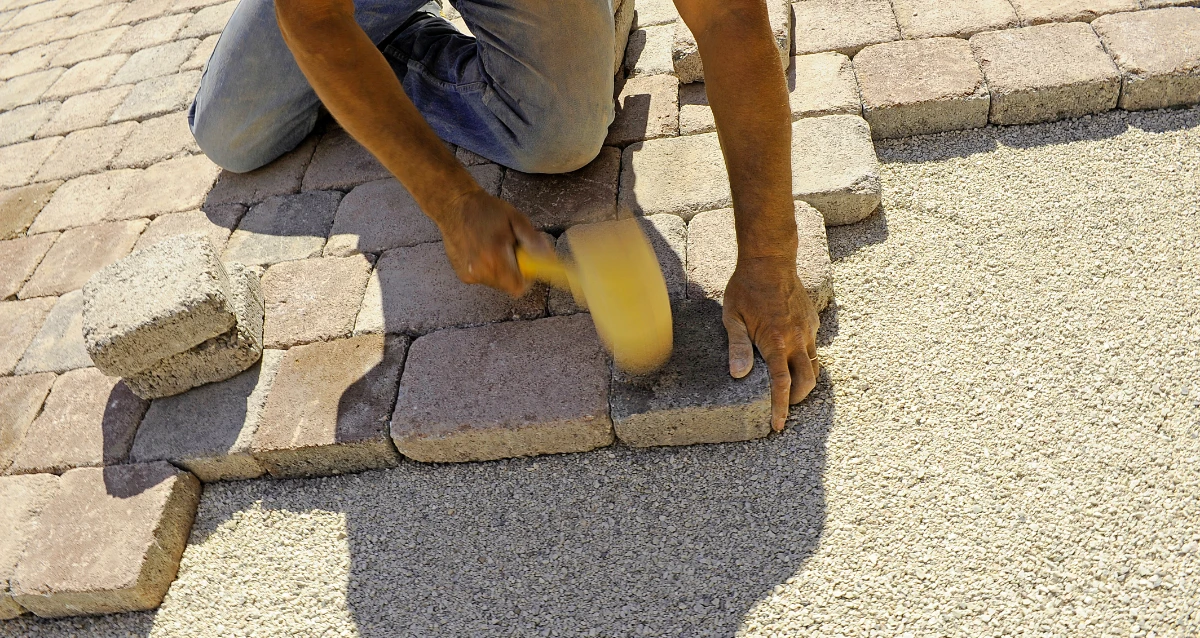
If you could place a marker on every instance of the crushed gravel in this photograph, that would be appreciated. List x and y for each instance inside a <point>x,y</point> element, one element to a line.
<point>1006,442</point>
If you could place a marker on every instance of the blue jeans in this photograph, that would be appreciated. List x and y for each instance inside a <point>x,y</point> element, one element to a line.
<point>533,90</point>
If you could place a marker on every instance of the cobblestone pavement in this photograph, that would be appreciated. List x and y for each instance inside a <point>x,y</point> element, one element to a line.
<point>1005,441</point>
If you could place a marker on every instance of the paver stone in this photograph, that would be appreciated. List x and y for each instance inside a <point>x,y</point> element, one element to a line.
<point>161,138</point>
<point>834,167</point>
<point>22,499</point>
<point>89,46</point>
<point>84,200</point>
<point>58,344</point>
<point>201,54</point>
<point>1042,11</point>
<point>170,187</point>
<point>648,51</point>
<point>215,223</point>
<point>80,252</point>
<point>19,323</point>
<point>647,107</point>
<point>19,162</point>
<point>340,162</point>
<point>313,299</point>
<point>208,21</point>
<point>91,75</point>
<point>556,202</point>
<point>281,177</point>
<point>26,89</point>
<point>142,10</point>
<point>151,33</point>
<point>88,151</point>
<point>19,258</point>
<point>653,12</point>
<point>86,111</point>
<point>19,206</point>
<point>1158,53</point>
<point>153,62</point>
<point>19,125</point>
<point>29,60</point>
<point>955,18</point>
<point>282,228</point>
<point>158,96</point>
<point>21,399</point>
<point>844,26</point>
<point>624,14</point>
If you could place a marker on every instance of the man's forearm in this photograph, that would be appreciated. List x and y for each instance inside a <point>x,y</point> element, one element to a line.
<point>359,88</point>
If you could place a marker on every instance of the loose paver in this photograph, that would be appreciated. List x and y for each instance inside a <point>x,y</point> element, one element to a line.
<point>844,26</point>
<point>415,290</point>
<point>327,411</point>
<point>88,47</point>
<point>208,21</point>
<point>87,151</point>
<point>19,258</point>
<point>281,177</point>
<point>78,253</point>
<point>509,389</point>
<point>169,187</point>
<point>556,202</point>
<point>88,199</point>
<point>88,420</point>
<point>158,96</point>
<point>86,111</point>
<point>158,139</point>
<point>692,399</point>
<point>648,51</point>
<point>1042,11</point>
<point>914,87</point>
<point>19,324</point>
<point>647,107</point>
<point>208,430</point>
<point>216,223</point>
<point>151,33</point>
<point>26,89</point>
<point>685,55</point>
<point>1158,53</point>
<point>381,215</point>
<point>201,54</point>
<point>712,255</point>
<point>20,124</point>
<point>29,60</point>
<point>21,400</point>
<point>313,299</point>
<point>109,541</point>
<point>1047,72</point>
<point>85,76</point>
<point>283,228</point>
<point>218,358</point>
<point>163,59</point>
<point>22,499</point>
<point>955,18</point>
<point>340,162</point>
<point>19,162</point>
<point>19,207</point>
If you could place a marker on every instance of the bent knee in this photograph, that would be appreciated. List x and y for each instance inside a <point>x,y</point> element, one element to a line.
<point>239,146</point>
<point>561,148</point>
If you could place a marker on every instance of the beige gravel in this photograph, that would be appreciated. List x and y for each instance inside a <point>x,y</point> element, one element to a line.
<point>1005,443</point>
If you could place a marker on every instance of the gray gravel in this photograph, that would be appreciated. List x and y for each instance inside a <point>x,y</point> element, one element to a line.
<point>1006,441</point>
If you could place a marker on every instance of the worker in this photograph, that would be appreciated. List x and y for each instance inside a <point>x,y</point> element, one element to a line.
<point>532,90</point>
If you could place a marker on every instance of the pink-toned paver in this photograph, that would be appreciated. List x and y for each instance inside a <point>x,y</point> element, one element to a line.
<point>109,541</point>
<point>281,177</point>
<point>21,400</point>
<point>79,253</point>
<point>19,323</point>
<point>556,202</point>
<point>1158,53</point>
<point>647,107</point>
<point>517,388</point>
<point>155,140</point>
<point>19,207</point>
<point>22,499</point>
<point>19,258</point>
<point>1042,11</point>
<point>340,162</point>
<point>955,18</point>
<point>84,200</point>
<point>313,299</point>
<point>58,345</point>
<point>844,26</point>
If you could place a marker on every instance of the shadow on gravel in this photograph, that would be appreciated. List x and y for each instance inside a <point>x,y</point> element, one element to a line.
<point>846,240</point>
<point>1166,120</point>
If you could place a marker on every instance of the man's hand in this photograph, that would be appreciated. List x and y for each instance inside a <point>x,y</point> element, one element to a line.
<point>765,305</point>
<point>480,233</point>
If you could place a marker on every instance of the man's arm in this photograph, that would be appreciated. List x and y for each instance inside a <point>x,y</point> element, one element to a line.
<point>765,303</point>
<point>355,83</point>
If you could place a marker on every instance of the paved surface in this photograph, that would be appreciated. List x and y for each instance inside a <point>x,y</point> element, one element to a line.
<point>1005,441</point>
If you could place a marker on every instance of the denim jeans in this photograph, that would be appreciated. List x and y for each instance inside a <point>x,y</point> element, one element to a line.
<point>533,90</point>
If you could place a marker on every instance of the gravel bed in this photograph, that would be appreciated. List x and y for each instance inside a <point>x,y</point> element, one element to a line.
<point>1005,442</point>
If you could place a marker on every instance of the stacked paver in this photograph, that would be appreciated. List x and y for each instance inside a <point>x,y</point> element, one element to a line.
<point>372,351</point>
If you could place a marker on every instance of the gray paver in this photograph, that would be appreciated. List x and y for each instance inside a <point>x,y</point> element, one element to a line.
<point>201,54</point>
<point>208,430</point>
<point>556,202</point>
<point>21,400</point>
<point>26,89</point>
<point>509,389</point>
<point>22,499</point>
<point>844,26</point>
<point>19,258</point>
<point>283,228</point>
<point>313,299</point>
<point>1042,11</point>
<point>88,420</point>
<point>88,199</point>
<point>647,107</point>
<point>169,187</point>
<point>20,124</point>
<point>58,345</point>
<point>158,96</point>
<point>682,176</point>
<point>163,59</point>
<point>381,215</point>
<point>155,303</point>
<point>469,158</point>
<point>914,87</point>
<point>161,138</point>
<point>151,33</point>
<point>78,253</point>
<point>282,176</point>
<point>328,408</point>
<point>87,151</point>
<point>956,18</point>
<point>649,51</point>
<point>85,76</point>
<point>19,207</point>
<point>1158,53</point>
<point>88,46</point>
<point>19,162</point>
<point>85,111</point>
<point>624,14</point>
<point>692,399</point>
<point>216,223</point>
<point>415,290</point>
<point>110,541</point>
<point>341,163</point>
<point>1045,73</point>
<point>208,21</point>
<point>218,358</point>
<point>19,324</point>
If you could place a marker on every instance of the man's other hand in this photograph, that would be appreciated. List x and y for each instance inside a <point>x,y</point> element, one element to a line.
<point>766,306</point>
<point>481,233</point>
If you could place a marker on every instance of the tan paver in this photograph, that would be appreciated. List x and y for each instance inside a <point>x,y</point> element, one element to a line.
<point>647,107</point>
<point>161,138</point>
<point>283,228</point>
<point>208,430</point>
<point>109,541</point>
<point>954,18</point>
<point>281,177</point>
<point>19,162</point>
<point>216,223</point>
<point>34,34</point>
<point>19,125</point>
<point>692,399</point>
<point>914,87</point>
<point>313,299</point>
<point>29,60</point>
<point>555,202</point>
<point>685,55</point>
<point>85,111</point>
<point>158,96</point>
<point>151,33</point>
<point>88,46</point>
<point>652,12</point>
<point>32,14</point>
<point>88,420</point>
<point>89,199</point>
<point>192,5</point>
<point>19,207</point>
<point>170,187</point>
<point>27,89</point>
<point>1046,73</point>
<point>648,51</point>
<point>78,253</point>
<point>844,26</point>
<point>21,400</point>
<point>327,410</point>
<point>85,76</point>
<point>415,290</point>
<point>163,59</point>
<point>341,163</point>
<point>208,21</point>
<point>712,255</point>
<point>58,345</point>
<point>86,151</point>
<point>18,259</point>
<point>142,10</point>
<point>22,499</point>
<point>381,215</point>
<point>1158,53</point>
<point>87,21</point>
<point>1042,11</point>
<point>517,388</point>
<point>201,54</point>
<point>19,324</point>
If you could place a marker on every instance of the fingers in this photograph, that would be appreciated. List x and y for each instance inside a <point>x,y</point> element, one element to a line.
<point>804,374</point>
<point>781,385</point>
<point>741,349</point>
<point>529,237</point>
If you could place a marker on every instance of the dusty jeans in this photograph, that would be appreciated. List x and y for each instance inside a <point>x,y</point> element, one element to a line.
<point>532,90</point>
